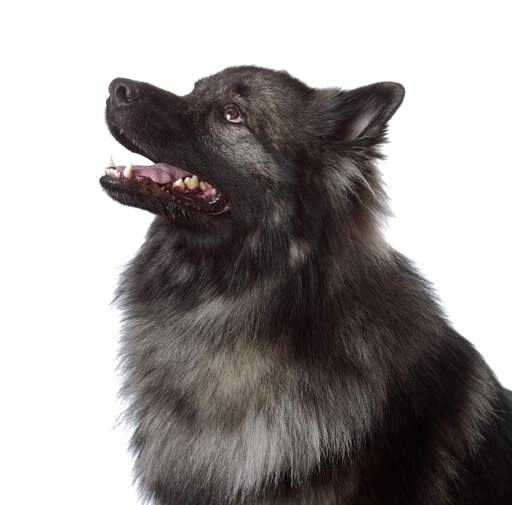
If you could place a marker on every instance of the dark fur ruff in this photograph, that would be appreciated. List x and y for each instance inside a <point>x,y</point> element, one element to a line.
<point>283,353</point>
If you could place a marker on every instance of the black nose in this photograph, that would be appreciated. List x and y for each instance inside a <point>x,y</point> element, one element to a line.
<point>124,91</point>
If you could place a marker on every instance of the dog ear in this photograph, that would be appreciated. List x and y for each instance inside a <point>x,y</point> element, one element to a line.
<point>364,112</point>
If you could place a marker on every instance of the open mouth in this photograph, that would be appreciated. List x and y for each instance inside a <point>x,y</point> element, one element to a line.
<point>168,183</point>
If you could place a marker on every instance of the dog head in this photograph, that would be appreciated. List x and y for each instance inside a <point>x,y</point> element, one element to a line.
<point>250,147</point>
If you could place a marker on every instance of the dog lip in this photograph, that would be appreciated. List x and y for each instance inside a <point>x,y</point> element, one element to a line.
<point>120,134</point>
<point>143,187</point>
<point>168,182</point>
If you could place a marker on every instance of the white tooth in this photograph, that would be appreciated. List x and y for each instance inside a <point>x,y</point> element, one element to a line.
<point>111,163</point>
<point>128,171</point>
<point>203,186</point>
<point>178,184</point>
<point>187,181</point>
<point>194,182</point>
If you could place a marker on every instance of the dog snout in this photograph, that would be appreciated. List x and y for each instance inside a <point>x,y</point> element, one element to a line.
<point>124,92</point>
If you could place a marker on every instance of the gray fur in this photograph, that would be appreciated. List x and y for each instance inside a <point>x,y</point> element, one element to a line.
<point>283,353</point>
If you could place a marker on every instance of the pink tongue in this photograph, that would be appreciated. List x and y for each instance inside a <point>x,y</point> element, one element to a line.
<point>153,173</point>
<point>160,172</point>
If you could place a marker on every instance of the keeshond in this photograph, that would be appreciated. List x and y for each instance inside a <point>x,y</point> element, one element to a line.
<point>275,349</point>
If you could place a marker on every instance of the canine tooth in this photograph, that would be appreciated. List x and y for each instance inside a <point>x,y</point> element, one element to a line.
<point>111,163</point>
<point>187,182</point>
<point>112,172</point>
<point>203,186</point>
<point>128,171</point>
<point>178,184</point>
<point>193,182</point>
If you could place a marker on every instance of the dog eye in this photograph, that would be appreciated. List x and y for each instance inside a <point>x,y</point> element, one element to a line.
<point>232,113</point>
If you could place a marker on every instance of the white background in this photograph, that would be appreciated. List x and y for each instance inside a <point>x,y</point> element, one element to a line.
<point>64,242</point>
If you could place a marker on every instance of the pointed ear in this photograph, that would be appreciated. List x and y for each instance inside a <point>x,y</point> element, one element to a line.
<point>364,112</point>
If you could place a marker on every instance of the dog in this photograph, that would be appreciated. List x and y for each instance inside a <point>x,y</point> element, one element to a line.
<point>275,349</point>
